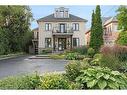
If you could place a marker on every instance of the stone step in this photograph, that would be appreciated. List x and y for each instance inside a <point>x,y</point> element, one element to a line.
<point>40,57</point>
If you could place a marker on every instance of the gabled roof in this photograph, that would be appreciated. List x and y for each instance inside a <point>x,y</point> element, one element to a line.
<point>112,19</point>
<point>51,18</point>
<point>104,19</point>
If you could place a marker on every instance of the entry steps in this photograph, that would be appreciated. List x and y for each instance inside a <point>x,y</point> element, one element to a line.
<point>40,57</point>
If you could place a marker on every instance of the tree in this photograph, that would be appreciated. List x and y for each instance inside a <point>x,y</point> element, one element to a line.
<point>122,18</point>
<point>96,39</point>
<point>122,38</point>
<point>122,25</point>
<point>92,34</point>
<point>14,24</point>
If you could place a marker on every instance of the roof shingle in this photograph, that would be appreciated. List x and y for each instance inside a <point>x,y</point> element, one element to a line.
<point>51,18</point>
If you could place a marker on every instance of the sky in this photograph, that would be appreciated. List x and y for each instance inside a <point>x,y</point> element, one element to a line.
<point>85,12</point>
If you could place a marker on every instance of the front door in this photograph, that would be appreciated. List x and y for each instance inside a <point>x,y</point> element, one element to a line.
<point>61,44</point>
<point>62,28</point>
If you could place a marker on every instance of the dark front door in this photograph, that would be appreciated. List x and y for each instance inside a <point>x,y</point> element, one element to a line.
<point>61,44</point>
<point>62,28</point>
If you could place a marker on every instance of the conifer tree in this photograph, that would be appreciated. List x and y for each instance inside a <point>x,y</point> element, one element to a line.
<point>96,39</point>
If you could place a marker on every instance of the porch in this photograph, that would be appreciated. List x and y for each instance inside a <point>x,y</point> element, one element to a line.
<point>62,42</point>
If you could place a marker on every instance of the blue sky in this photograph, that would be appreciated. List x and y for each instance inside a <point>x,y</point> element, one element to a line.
<point>85,12</point>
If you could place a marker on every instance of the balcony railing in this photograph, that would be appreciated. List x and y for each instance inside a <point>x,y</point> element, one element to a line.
<point>67,31</point>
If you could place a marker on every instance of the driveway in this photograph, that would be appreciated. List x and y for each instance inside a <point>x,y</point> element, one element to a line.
<point>23,65</point>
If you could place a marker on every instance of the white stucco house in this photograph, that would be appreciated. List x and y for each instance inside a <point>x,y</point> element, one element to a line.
<point>59,31</point>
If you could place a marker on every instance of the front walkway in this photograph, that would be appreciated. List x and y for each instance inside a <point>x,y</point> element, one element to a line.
<point>23,65</point>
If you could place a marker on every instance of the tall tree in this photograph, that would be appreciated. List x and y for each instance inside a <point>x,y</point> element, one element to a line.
<point>96,30</point>
<point>14,24</point>
<point>122,25</point>
<point>122,18</point>
<point>92,33</point>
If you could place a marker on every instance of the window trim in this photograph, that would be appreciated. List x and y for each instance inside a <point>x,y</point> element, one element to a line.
<point>75,25</point>
<point>77,45</point>
<point>46,45</point>
<point>49,28</point>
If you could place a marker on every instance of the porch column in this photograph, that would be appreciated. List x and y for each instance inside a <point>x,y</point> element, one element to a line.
<point>53,42</point>
<point>71,42</point>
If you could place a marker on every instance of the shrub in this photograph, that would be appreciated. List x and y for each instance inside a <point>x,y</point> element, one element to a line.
<point>96,60</point>
<point>101,78</point>
<point>73,69</point>
<point>116,50</point>
<point>22,82</point>
<point>81,50</point>
<point>54,81</point>
<point>111,62</point>
<point>57,56</point>
<point>80,57</point>
<point>47,50</point>
<point>122,38</point>
<point>91,52</point>
<point>71,56</point>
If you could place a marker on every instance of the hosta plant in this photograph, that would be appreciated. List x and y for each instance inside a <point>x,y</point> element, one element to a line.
<point>71,56</point>
<point>101,78</point>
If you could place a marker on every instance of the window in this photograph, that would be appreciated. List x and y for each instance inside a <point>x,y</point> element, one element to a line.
<point>48,42</point>
<point>48,26</point>
<point>75,26</point>
<point>75,42</point>
<point>61,14</point>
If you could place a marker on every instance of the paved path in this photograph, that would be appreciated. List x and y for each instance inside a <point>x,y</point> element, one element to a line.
<point>23,65</point>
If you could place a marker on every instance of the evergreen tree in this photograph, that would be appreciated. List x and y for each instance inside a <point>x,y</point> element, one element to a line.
<point>92,31</point>
<point>96,30</point>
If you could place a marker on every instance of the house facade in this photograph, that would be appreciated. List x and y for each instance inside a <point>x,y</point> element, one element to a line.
<point>110,31</point>
<point>59,31</point>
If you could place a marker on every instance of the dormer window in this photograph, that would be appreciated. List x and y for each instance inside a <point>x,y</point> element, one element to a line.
<point>61,13</point>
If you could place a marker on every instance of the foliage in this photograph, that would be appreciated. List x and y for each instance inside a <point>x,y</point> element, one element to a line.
<point>101,78</point>
<point>118,51</point>
<point>122,18</point>
<point>21,82</point>
<point>96,35</point>
<point>122,38</point>
<point>111,62</point>
<point>80,50</point>
<point>46,51</point>
<point>96,60</point>
<point>73,69</point>
<point>54,81</point>
<point>91,52</point>
<point>57,56</point>
<point>15,34</point>
<point>71,56</point>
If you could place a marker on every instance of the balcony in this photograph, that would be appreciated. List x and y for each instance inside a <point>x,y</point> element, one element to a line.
<point>58,31</point>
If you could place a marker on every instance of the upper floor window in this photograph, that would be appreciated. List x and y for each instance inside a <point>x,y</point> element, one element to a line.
<point>48,26</point>
<point>75,26</point>
<point>61,14</point>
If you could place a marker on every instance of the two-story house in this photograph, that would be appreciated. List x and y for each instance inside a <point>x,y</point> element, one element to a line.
<point>60,31</point>
<point>110,31</point>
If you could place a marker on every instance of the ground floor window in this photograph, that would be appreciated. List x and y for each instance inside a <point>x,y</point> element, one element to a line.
<point>75,42</point>
<point>48,42</point>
